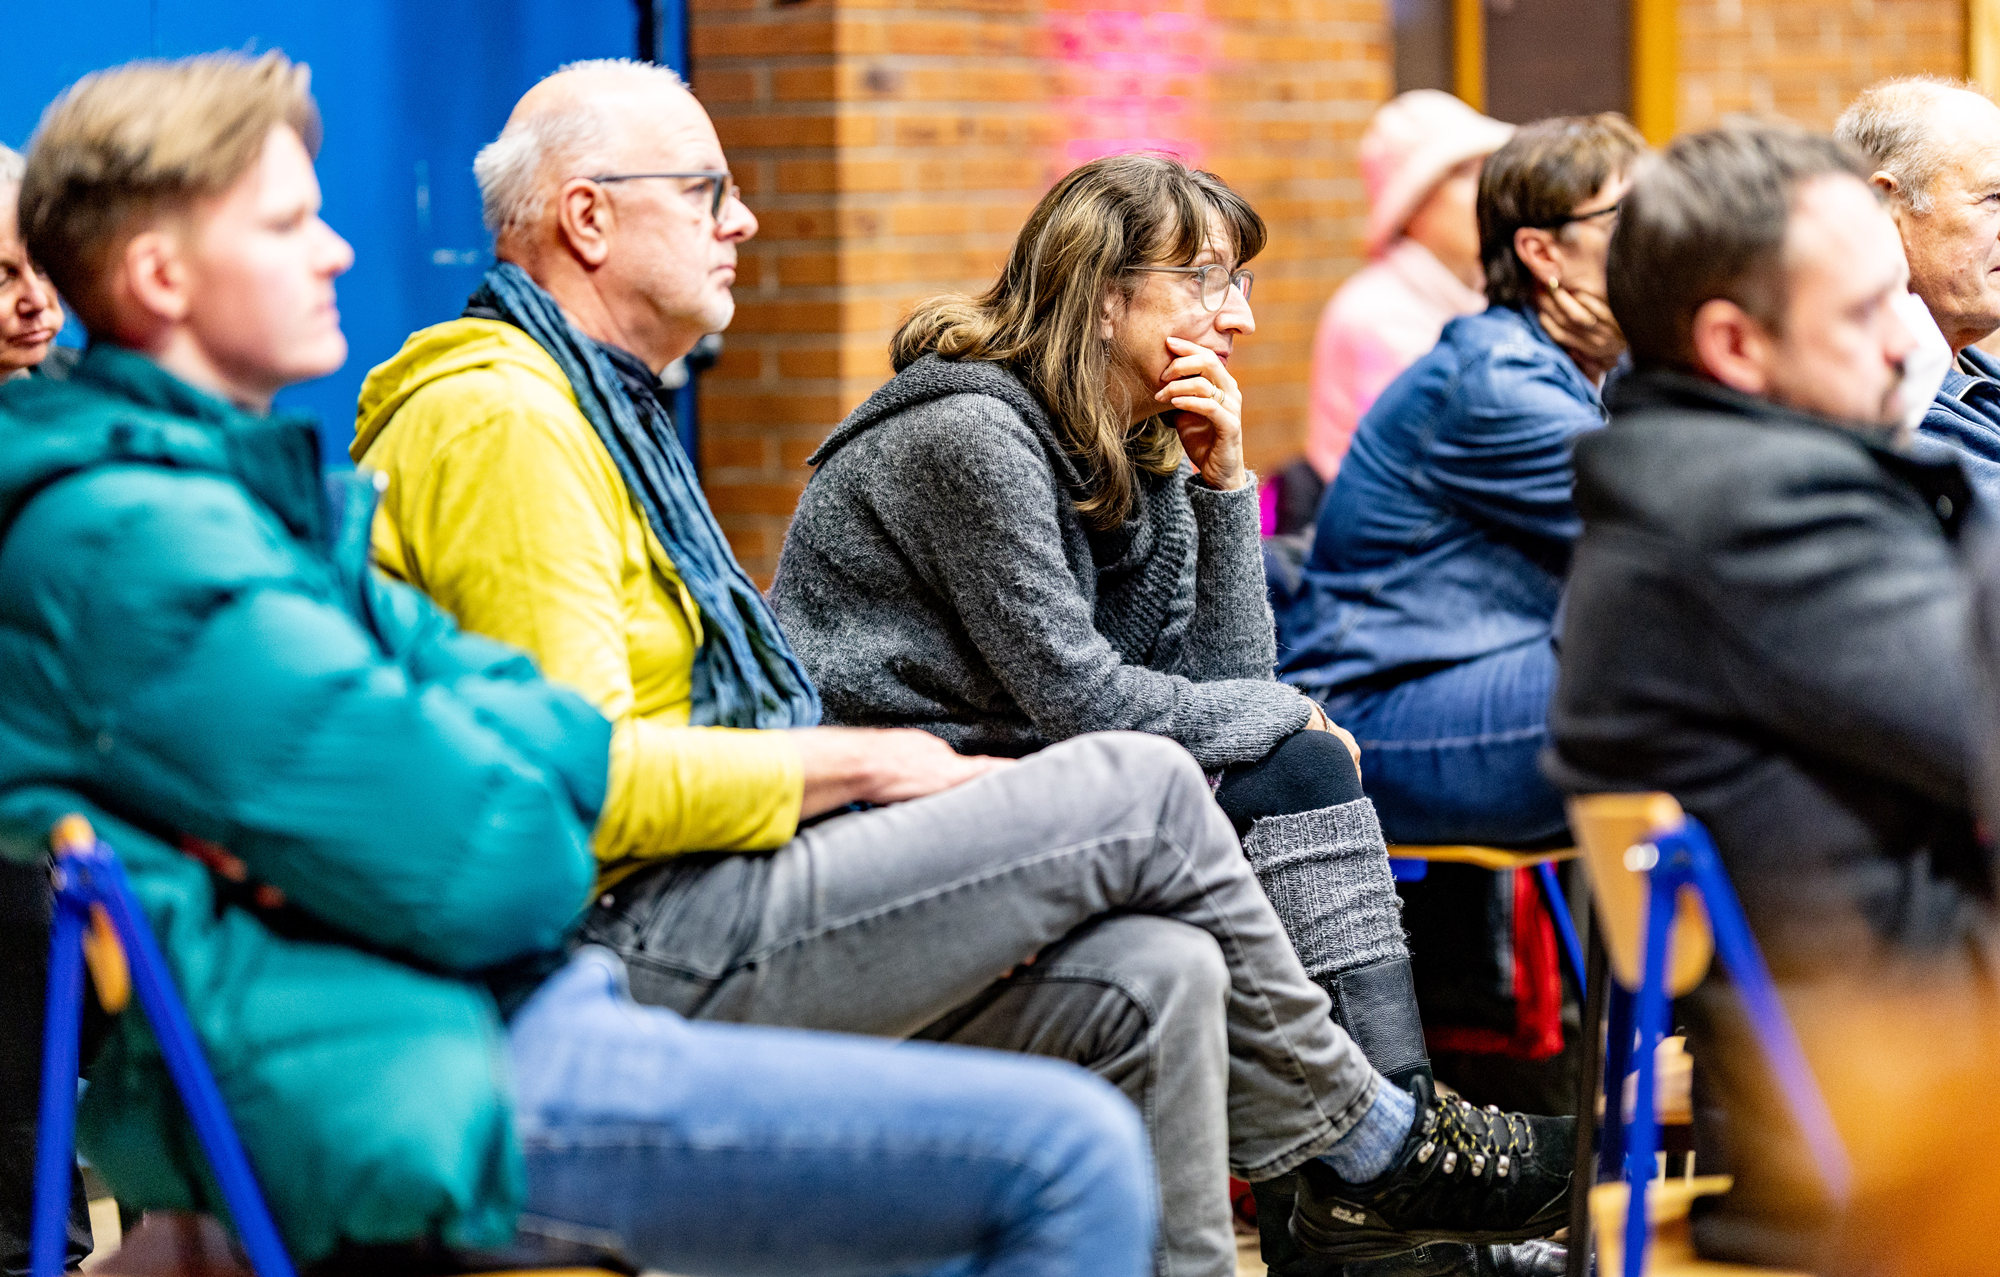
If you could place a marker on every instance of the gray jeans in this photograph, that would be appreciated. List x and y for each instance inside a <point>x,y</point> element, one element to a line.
<point>1102,880</point>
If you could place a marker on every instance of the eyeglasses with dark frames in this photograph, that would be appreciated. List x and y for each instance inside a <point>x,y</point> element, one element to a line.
<point>720,187</point>
<point>1609,210</point>
<point>1215,281</point>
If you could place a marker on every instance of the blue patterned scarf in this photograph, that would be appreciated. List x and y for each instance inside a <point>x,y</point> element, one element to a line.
<point>745,674</point>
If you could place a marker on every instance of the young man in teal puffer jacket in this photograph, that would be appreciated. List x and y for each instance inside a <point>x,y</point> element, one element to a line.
<point>362,837</point>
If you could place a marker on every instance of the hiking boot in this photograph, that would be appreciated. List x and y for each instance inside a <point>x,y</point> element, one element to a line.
<point>1458,1259</point>
<point>1464,1174</point>
<point>1526,1259</point>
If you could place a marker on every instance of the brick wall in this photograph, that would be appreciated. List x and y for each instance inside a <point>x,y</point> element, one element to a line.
<point>892,148</point>
<point>1806,59</point>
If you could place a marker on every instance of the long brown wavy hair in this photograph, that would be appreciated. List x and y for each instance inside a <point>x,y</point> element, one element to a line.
<point>1040,318</point>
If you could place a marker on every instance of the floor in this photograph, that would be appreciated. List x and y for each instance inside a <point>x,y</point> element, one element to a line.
<point>104,1225</point>
<point>1247,1263</point>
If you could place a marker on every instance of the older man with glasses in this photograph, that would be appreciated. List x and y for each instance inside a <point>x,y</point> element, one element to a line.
<point>1935,148</point>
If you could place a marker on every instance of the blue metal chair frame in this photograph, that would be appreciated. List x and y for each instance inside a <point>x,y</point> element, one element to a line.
<point>1678,858</point>
<point>88,877</point>
<point>1565,925</point>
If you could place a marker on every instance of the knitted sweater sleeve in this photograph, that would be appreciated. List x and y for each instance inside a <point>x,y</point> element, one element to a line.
<point>1231,634</point>
<point>966,490</point>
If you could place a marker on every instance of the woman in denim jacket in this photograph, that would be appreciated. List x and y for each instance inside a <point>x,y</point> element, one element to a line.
<point>1424,617</point>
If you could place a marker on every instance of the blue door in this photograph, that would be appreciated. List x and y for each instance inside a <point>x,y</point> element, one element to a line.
<point>409,92</point>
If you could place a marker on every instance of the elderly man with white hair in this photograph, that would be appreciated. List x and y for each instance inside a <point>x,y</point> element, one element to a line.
<point>1089,903</point>
<point>1935,148</point>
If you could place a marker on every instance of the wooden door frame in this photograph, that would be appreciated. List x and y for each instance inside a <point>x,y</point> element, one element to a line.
<point>1982,43</point>
<point>1655,59</point>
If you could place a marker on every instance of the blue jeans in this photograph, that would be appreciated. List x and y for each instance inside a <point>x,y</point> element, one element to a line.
<point>725,1149</point>
<point>1451,757</point>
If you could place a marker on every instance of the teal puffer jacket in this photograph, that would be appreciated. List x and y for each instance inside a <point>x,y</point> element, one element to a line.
<point>192,647</point>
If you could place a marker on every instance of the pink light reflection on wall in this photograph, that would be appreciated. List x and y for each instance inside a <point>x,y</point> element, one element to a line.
<point>1138,79</point>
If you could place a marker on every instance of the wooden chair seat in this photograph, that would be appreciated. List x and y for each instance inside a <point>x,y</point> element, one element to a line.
<point>1495,858</point>
<point>184,1244</point>
<point>1671,1252</point>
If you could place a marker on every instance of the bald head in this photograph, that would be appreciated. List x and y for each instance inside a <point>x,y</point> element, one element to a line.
<point>1935,148</point>
<point>610,188</point>
<point>578,122</point>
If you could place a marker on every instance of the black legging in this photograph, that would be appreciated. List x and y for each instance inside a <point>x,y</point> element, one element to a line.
<point>1305,771</point>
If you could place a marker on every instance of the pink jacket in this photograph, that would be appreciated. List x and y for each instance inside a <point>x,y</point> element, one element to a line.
<point>1379,323</point>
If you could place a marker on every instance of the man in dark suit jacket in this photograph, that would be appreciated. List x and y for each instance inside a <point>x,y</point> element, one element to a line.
<point>1767,617</point>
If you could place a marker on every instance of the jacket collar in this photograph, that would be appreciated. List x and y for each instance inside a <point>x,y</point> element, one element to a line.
<point>931,377</point>
<point>1933,472</point>
<point>1974,374</point>
<point>276,457</point>
<point>1525,319</point>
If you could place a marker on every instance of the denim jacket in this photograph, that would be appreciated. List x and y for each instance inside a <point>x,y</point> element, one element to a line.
<point>1966,415</point>
<point>1447,532</point>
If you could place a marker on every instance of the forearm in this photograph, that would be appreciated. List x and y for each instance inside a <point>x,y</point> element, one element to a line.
<point>1231,634</point>
<point>843,765</point>
<point>676,789</point>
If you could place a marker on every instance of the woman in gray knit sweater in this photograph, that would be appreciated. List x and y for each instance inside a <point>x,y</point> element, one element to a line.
<point>1042,526</point>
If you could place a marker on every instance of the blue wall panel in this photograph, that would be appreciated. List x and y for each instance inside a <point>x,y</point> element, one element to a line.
<point>409,91</point>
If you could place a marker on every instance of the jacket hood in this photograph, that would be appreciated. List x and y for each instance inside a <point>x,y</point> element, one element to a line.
<point>433,353</point>
<point>931,378</point>
<point>121,406</point>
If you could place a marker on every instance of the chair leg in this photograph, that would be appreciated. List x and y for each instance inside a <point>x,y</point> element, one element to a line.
<point>1617,1059</point>
<point>187,1066</point>
<point>1558,903</point>
<point>1744,962</point>
<point>1582,1174</point>
<point>1651,1017</point>
<point>55,1129</point>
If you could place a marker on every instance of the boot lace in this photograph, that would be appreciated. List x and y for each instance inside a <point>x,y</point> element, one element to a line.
<point>1474,1138</point>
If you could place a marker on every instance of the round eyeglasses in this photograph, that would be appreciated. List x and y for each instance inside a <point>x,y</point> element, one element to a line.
<point>709,186</point>
<point>1215,281</point>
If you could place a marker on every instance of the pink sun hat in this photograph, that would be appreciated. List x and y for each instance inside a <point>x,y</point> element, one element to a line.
<point>1413,141</point>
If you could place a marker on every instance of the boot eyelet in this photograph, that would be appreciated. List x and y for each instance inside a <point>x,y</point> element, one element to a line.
<point>1424,1153</point>
<point>1479,1163</point>
<point>1501,1169</point>
<point>1451,1161</point>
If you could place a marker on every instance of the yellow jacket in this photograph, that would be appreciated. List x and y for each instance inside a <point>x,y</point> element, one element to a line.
<point>505,508</point>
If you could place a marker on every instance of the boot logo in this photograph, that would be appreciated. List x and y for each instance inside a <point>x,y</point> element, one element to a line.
<point>1346,1216</point>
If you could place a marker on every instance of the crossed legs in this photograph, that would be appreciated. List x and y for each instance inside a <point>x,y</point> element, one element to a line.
<point>923,918</point>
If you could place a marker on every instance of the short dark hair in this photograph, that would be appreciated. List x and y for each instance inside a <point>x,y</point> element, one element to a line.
<point>1706,219</point>
<point>1543,172</point>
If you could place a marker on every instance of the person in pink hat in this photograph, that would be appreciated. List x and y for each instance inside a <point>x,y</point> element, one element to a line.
<point>1420,158</point>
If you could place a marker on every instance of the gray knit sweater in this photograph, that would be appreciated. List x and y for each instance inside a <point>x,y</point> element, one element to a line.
<point>937,575</point>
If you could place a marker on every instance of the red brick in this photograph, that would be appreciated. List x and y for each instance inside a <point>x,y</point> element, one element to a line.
<point>761,39</point>
<point>719,452</point>
<point>738,132</point>
<point>808,364</point>
<point>724,86</point>
<point>725,406</point>
<point>754,498</point>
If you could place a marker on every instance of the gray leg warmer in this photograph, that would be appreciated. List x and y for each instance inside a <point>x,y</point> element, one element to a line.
<point>1327,875</point>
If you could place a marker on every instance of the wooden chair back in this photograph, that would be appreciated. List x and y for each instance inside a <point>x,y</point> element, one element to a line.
<point>1607,826</point>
